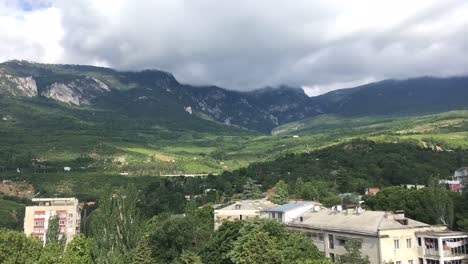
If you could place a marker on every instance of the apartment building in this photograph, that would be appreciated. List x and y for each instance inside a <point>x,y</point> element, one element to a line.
<point>36,219</point>
<point>385,237</point>
<point>242,210</point>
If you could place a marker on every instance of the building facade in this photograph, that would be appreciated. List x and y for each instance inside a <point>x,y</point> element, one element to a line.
<point>242,210</point>
<point>36,219</point>
<point>286,213</point>
<point>385,237</point>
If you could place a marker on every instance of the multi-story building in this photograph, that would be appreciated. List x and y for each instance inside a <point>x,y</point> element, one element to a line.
<point>242,210</point>
<point>36,219</point>
<point>385,237</point>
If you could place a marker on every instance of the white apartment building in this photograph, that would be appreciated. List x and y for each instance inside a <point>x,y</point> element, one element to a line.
<point>36,219</point>
<point>385,237</point>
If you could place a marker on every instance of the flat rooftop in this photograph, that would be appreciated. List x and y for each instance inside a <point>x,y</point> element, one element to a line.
<point>53,199</point>
<point>290,206</point>
<point>349,221</point>
<point>259,204</point>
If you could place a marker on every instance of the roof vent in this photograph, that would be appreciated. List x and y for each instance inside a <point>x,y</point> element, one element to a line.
<point>237,206</point>
<point>339,208</point>
<point>359,210</point>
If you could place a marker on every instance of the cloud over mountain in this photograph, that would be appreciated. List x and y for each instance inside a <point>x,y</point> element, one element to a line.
<point>245,44</point>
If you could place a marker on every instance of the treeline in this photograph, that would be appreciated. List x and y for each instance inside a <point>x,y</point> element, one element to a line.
<point>358,164</point>
<point>121,233</point>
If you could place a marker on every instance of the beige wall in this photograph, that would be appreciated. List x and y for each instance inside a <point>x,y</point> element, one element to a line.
<point>369,243</point>
<point>232,215</point>
<point>379,249</point>
<point>70,225</point>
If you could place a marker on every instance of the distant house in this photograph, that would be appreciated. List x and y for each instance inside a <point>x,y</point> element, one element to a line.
<point>456,182</point>
<point>288,212</point>
<point>242,210</point>
<point>413,186</point>
<point>67,169</point>
<point>372,191</point>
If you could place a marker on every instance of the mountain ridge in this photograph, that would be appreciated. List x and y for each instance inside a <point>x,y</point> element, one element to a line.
<point>152,92</point>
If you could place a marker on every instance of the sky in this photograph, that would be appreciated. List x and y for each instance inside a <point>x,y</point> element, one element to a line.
<point>320,45</point>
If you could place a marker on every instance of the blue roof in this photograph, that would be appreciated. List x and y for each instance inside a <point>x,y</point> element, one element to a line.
<point>288,206</point>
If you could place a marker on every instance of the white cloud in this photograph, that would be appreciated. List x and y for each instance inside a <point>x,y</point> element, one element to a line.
<point>32,35</point>
<point>247,44</point>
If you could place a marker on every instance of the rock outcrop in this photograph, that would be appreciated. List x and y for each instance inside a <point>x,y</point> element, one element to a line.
<point>17,86</point>
<point>80,91</point>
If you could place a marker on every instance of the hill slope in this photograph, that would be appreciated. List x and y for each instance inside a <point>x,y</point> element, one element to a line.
<point>152,93</point>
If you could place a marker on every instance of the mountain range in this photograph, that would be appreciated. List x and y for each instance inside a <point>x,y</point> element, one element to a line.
<point>152,93</point>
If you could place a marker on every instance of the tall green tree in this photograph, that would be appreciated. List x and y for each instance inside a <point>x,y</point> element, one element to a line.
<point>258,241</point>
<point>52,253</point>
<point>251,190</point>
<point>438,203</point>
<point>53,231</point>
<point>142,253</point>
<point>171,235</point>
<point>78,251</point>
<point>280,194</point>
<point>258,247</point>
<point>189,257</point>
<point>116,225</point>
<point>353,253</point>
<point>17,248</point>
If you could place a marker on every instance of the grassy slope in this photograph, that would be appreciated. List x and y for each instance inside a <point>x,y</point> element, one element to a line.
<point>11,214</point>
<point>61,136</point>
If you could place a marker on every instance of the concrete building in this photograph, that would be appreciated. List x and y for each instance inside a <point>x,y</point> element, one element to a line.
<point>288,212</point>
<point>36,219</point>
<point>384,236</point>
<point>242,210</point>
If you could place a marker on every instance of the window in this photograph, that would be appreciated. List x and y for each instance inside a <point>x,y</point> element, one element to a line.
<point>320,236</point>
<point>280,215</point>
<point>341,242</point>
<point>398,262</point>
<point>70,222</point>
<point>331,244</point>
<point>70,215</point>
<point>62,222</point>
<point>38,223</point>
<point>332,257</point>
<point>409,243</point>
<point>421,261</point>
<point>410,261</point>
<point>38,230</point>
<point>396,243</point>
<point>419,242</point>
<point>240,217</point>
<point>273,215</point>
